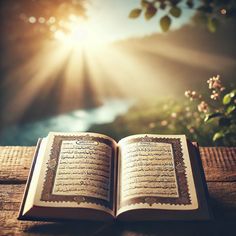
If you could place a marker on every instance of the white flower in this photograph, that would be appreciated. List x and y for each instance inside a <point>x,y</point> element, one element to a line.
<point>214,96</point>
<point>202,107</point>
<point>215,82</point>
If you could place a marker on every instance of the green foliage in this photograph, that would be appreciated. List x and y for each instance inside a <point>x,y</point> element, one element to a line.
<point>162,117</point>
<point>189,3</point>
<point>208,12</point>
<point>227,99</point>
<point>218,136</point>
<point>145,4</point>
<point>230,109</point>
<point>175,11</point>
<point>135,13</point>
<point>221,111</point>
<point>212,24</point>
<point>227,123</point>
<point>208,117</point>
<point>150,12</point>
<point>165,22</point>
<point>224,121</point>
<point>213,124</point>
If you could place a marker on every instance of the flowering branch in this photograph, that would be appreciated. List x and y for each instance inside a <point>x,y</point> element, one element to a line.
<point>224,110</point>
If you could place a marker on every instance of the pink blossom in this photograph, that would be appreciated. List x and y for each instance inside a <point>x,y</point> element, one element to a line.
<point>191,94</point>
<point>202,107</point>
<point>215,82</point>
<point>187,93</point>
<point>214,95</point>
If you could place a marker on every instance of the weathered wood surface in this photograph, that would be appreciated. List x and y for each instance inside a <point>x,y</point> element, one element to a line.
<point>220,170</point>
<point>15,164</point>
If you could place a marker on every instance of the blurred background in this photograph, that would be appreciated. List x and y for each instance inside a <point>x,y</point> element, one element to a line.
<point>116,67</point>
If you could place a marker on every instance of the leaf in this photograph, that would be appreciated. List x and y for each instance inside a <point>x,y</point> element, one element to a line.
<point>145,3</point>
<point>213,115</point>
<point>135,13</point>
<point>175,11</point>
<point>212,24</point>
<point>233,93</point>
<point>217,136</point>
<point>165,22</point>
<point>224,121</point>
<point>150,12</point>
<point>227,99</point>
<point>231,109</point>
<point>162,5</point>
<point>190,3</point>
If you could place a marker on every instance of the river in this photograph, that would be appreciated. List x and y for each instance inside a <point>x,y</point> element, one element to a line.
<point>77,120</point>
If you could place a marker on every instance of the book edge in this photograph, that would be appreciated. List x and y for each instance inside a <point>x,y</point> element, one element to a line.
<point>195,145</point>
<point>25,194</point>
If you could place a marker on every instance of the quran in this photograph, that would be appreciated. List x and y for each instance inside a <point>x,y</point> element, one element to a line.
<point>89,176</point>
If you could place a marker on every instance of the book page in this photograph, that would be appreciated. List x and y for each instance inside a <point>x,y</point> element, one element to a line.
<point>155,172</point>
<point>78,171</point>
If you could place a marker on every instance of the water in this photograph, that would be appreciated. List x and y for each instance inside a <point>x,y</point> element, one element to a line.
<point>77,120</point>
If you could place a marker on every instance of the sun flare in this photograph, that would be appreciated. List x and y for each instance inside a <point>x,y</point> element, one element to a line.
<point>80,66</point>
<point>76,33</point>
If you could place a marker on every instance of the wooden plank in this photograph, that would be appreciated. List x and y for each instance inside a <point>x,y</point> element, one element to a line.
<point>15,163</point>
<point>219,163</point>
<point>11,196</point>
<point>222,199</point>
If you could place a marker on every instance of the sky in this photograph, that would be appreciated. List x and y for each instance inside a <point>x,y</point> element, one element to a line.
<point>109,18</point>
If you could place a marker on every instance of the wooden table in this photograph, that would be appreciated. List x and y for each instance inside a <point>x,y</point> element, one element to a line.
<point>220,170</point>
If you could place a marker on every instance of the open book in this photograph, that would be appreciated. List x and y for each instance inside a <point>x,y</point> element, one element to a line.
<point>91,177</point>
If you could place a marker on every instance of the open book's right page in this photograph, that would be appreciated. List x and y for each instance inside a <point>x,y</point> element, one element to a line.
<point>155,173</point>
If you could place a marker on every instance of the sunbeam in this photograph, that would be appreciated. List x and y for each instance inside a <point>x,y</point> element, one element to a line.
<point>78,67</point>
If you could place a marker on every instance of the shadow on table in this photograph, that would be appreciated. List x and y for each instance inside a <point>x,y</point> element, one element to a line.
<point>135,229</point>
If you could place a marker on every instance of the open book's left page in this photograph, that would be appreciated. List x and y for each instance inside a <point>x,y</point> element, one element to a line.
<point>77,170</point>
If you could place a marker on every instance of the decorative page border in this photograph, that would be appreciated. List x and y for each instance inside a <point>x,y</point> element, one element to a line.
<point>52,164</point>
<point>180,171</point>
